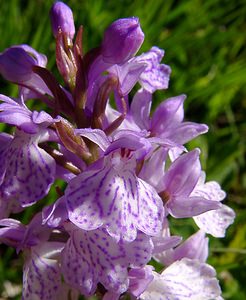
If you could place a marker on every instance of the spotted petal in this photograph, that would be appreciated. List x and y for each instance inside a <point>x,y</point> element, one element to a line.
<point>156,75</point>
<point>184,279</point>
<point>93,256</point>
<point>213,222</point>
<point>115,197</point>
<point>29,170</point>
<point>41,279</point>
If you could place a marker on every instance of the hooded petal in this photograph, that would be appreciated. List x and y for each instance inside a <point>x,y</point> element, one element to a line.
<point>97,136</point>
<point>167,115</point>
<point>183,175</point>
<point>121,41</point>
<point>153,169</point>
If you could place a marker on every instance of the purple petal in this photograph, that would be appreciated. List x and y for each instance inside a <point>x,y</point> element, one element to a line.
<point>11,112</point>
<point>127,124</point>
<point>187,131</point>
<point>61,17</point>
<point>30,170</point>
<point>93,256</point>
<point>140,279</point>
<point>140,108</point>
<point>12,232</point>
<point>77,269</point>
<point>5,141</point>
<point>156,75</point>
<point>128,75</point>
<point>210,190</point>
<point>183,175</point>
<point>41,278</point>
<point>190,207</point>
<point>184,279</point>
<point>121,41</point>
<point>131,140</point>
<point>115,197</point>
<point>41,59</point>
<point>153,168</point>
<point>168,115</point>
<point>195,247</point>
<point>165,243</point>
<point>97,136</point>
<point>54,215</point>
<point>16,64</point>
<point>42,118</point>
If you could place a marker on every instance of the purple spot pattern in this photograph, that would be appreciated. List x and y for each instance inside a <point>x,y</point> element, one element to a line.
<point>156,75</point>
<point>90,257</point>
<point>116,198</point>
<point>5,140</point>
<point>41,279</point>
<point>29,170</point>
<point>184,279</point>
<point>214,222</point>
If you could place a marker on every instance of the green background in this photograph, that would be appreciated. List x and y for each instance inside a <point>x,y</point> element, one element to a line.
<point>204,43</point>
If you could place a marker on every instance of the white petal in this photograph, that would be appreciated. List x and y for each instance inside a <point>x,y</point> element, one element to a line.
<point>184,279</point>
<point>215,222</point>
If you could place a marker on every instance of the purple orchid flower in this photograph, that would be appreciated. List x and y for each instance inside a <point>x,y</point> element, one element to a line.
<point>123,167</point>
<point>114,197</point>
<point>27,171</point>
<point>111,195</point>
<point>178,183</point>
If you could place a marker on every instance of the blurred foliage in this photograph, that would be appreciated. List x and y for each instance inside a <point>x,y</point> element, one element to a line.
<point>204,43</point>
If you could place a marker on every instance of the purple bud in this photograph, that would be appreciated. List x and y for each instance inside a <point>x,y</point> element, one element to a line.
<point>62,18</point>
<point>121,41</point>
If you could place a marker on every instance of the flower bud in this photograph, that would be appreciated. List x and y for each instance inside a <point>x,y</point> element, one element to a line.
<point>62,18</point>
<point>121,41</point>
